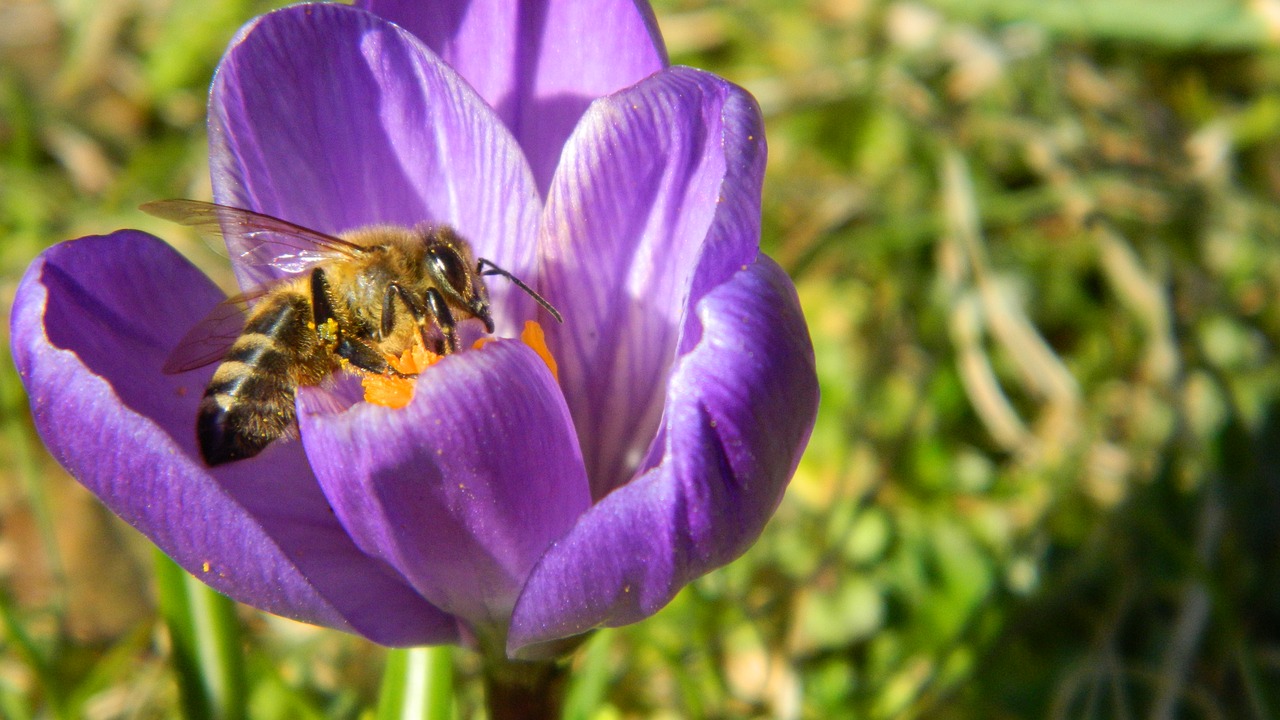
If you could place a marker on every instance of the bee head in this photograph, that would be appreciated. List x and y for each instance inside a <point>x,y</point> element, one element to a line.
<point>449,266</point>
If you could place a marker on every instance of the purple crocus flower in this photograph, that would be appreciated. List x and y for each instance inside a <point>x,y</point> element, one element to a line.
<point>503,504</point>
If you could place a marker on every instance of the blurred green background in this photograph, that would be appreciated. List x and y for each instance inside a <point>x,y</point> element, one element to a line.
<point>1037,245</point>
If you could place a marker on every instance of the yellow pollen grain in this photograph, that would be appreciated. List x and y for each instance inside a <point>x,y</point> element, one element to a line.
<point>205,566</point>
<point>328,331</point>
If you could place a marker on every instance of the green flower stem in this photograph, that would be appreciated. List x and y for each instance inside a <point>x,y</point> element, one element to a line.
<point>417,685</point>
<point>208,659</point>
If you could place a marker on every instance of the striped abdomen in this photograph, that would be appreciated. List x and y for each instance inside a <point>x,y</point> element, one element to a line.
<point>250,400</point>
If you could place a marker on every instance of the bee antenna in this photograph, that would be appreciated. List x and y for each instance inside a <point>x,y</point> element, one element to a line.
<point>495,270</point>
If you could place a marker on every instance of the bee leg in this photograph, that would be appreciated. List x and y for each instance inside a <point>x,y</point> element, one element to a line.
<point>366,358</point>
<point>393,291</point>
<point>444,320</point>
<point>322,313</point>
<point>435,309</point>
<point>358,353</point>
<point>419,313</point>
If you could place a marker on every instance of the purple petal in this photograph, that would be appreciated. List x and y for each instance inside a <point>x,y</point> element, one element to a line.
<point>739,410</point>
<point>465,488</point>
<point>657,201</point>
<point>93,321</point>
<point>539,63</point>
<point>329,117</point>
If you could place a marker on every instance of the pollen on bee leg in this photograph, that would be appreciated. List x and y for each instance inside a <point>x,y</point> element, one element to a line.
<point>396,392</point>
<point>328,331</point>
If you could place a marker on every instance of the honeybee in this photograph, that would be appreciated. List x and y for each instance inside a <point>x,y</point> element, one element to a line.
<point>353,299</point>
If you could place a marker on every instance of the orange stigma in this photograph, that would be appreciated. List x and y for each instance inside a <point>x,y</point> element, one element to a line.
<point>397,392</point>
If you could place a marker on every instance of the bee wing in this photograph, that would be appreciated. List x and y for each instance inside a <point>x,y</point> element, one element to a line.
<point>259,242</point>
<point>212,337</point>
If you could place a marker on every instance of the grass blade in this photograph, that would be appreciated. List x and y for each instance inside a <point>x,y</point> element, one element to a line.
<point>207,655</point>
<point>417,684</point>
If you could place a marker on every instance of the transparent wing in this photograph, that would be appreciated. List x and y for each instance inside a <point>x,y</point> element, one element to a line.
<point>259,243</point>
<point>211,338</point>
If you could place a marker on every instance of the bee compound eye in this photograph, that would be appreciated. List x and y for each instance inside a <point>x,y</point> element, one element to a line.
<point>446,263</point>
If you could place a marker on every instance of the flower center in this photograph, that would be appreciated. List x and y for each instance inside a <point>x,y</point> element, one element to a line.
<point>397,392</point>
